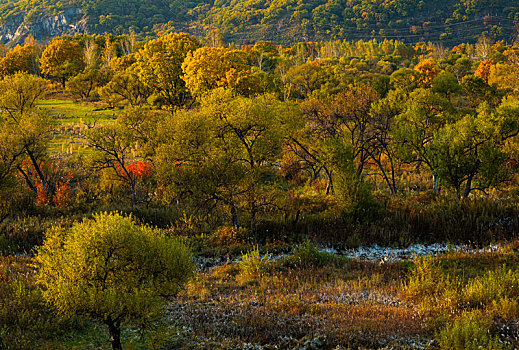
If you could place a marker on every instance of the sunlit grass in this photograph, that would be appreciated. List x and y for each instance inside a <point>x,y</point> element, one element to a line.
<point>69,111</point>
<point>72,119</point>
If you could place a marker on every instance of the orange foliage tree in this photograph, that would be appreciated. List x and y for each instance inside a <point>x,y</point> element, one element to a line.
<point>483,70</point>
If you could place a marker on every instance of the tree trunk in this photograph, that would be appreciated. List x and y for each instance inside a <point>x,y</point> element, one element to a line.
<point>234,215</point>
<point>27,180</point>
<point>253,220</point>
<point>34,162</point>
<point>468,187</point>
<point>329,186</point>
<point>114,328</point>
<point>435,184</point>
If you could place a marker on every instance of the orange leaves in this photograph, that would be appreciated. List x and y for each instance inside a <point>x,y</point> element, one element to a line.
<point>42,196</point>
<point>140,169</point>
<point>62,195</point>
<point>56,191</point>
<point>483,70</point>
<point>428,69</point>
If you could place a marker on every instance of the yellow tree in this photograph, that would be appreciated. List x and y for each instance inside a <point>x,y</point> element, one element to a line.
<point>428,70</point>
<point>125,84</point>
<point>62,59</point>
<point>212,67</point>
<point>159,66</point>
<point>20,59</point>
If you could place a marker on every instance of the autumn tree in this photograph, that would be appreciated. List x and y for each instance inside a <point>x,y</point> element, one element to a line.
<point>159,66</point>
<point>223,154</point>
<point>62,59</point>
<point>20,59</point>
<point>110,269</point>
<point>505,77</point>
<point>125,84</point>
<point>9,158</point>
<point>209,68</point>
<point>483,70</point>
<point>428,71</point>
<point>306,78</point>
<point>405,79</point>
<point>83,84</point>
<point>116,146</point>
<point>345,116</point>
<point>28,127</point>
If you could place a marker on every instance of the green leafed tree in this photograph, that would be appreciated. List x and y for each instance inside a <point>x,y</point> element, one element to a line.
<point>159,66</point>
<point>26,128</point>
<point>223,153</point>
<point>110,269</point>
<point>469,154</point>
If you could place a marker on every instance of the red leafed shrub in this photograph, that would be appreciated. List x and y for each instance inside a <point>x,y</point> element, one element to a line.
<point>56,189</point>
<point>140,169</point>
<point>62,195</point>
<point>42,195</point>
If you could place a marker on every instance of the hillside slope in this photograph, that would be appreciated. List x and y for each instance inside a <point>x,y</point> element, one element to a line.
<point>284,21</point>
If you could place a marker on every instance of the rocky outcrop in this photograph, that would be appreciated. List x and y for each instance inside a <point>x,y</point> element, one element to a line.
<point>43,28</point>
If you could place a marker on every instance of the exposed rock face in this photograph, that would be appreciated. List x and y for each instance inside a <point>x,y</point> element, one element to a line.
<point>43,28</point>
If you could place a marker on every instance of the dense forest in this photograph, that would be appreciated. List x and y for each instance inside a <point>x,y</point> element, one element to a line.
<point>289,21</point>
<point>180,192</point>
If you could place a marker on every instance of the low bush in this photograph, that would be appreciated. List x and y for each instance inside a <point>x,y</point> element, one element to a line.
<point>426,279</point>
<point>252,266</point>
<point>470,332</point>
<point>307,255</point>
<point>483,291</point>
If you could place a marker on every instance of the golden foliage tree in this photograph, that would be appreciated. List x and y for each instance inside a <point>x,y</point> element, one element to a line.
<point>428,70</point>
<point>26,128</point>
<point>483,70</point>
<point>211,67</point>
<point>62,59</point>
<point>159,66</point>
<point>20,59</point>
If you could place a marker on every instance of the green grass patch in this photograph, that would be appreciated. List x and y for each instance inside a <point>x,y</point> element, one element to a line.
<point>73,112</point>
<point>71,120</point>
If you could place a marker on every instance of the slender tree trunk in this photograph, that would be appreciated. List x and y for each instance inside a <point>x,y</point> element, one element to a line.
<point>234,215</point>
<point>34,162</point>
<point>458,190</point>
<point>329,186</point>
<point>114,329</point>
<point>27,180</point>
<point>253,219</point>
<point>435,184</point>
